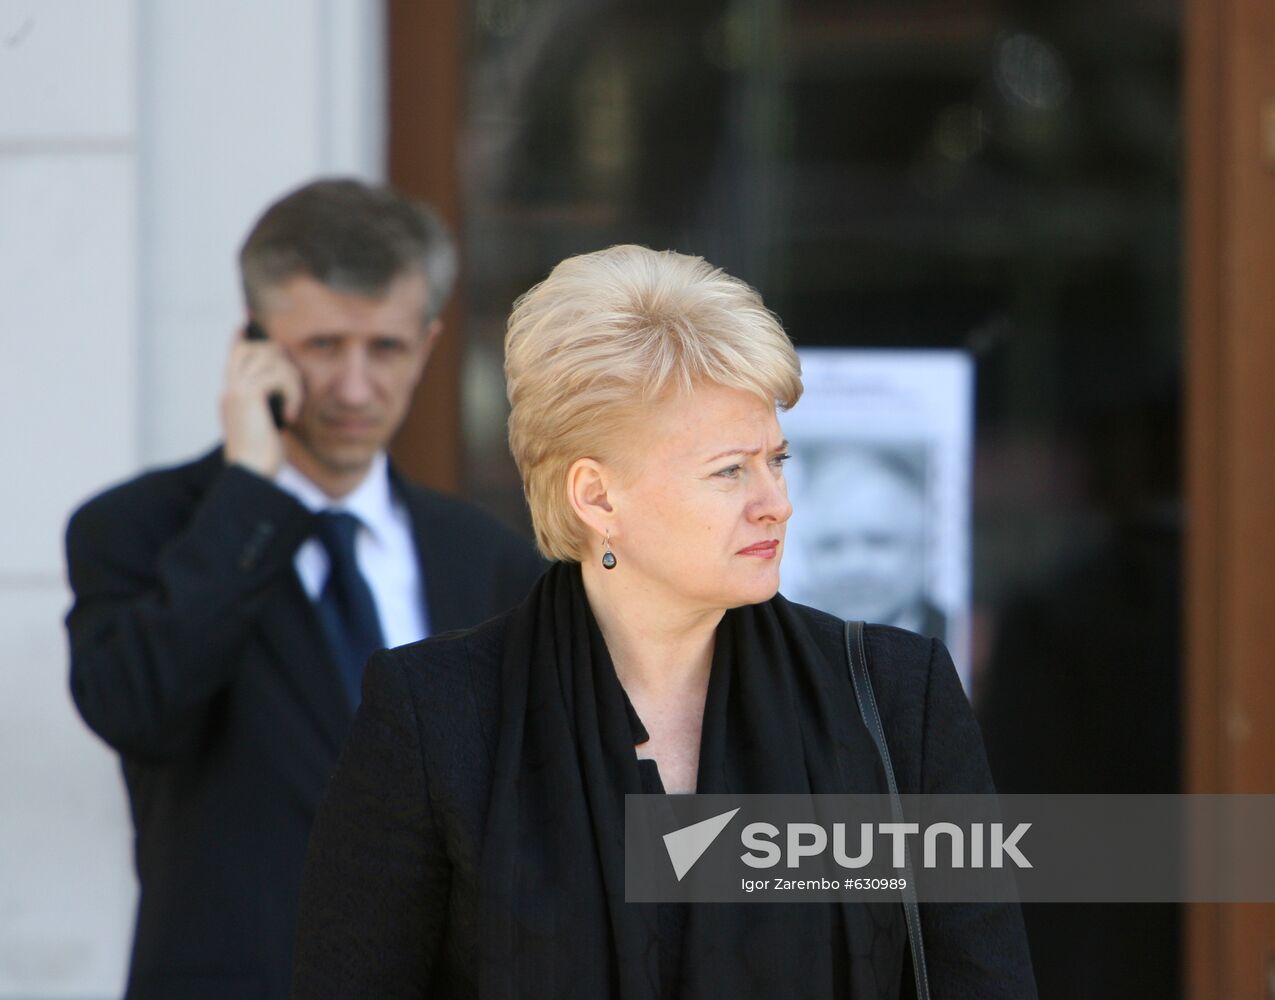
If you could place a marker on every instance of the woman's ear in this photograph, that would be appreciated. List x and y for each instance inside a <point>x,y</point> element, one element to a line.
<point>587,493</point>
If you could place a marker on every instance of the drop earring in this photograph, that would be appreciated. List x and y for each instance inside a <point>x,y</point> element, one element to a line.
<point>608,557</point>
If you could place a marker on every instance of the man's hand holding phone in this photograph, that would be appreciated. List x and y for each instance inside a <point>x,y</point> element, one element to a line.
<point>261,385</point>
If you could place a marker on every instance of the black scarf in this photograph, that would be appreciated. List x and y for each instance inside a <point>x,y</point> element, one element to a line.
<point>553,922</point>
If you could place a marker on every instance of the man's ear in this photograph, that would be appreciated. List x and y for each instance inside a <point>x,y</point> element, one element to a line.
<point>432,332</point>
<point>587,493</point>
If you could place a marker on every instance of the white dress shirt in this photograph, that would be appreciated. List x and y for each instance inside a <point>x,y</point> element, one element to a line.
<point>384,549</point>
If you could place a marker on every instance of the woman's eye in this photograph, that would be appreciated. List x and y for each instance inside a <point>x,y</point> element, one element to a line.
<point>730,473</point>
<point>777,461</point>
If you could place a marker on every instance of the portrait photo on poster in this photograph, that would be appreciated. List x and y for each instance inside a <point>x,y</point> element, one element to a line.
<point>882,446</point>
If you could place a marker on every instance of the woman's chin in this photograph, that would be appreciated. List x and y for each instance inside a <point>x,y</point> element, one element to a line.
<point>757,591</point>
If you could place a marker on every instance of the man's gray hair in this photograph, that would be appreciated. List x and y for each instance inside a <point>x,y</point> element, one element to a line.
<point>351,236</point>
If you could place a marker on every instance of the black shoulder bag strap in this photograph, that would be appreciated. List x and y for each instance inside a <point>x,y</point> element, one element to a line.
<point>856,653</point>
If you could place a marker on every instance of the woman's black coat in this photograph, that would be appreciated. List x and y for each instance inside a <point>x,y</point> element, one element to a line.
<point>390,903</point>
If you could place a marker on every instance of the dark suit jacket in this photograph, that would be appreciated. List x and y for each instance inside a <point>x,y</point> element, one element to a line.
<point>196,654</point>
<point>389,905</point>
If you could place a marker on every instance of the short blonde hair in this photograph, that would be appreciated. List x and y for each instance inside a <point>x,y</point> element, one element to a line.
<point>610,332</point>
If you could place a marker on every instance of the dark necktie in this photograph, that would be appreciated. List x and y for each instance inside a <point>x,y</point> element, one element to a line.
<point>346,608</point>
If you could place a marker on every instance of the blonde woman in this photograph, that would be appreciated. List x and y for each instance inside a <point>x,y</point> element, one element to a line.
<point>471,842</point>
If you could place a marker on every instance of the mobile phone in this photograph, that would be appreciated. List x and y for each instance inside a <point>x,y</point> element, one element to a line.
<point>255,331</point>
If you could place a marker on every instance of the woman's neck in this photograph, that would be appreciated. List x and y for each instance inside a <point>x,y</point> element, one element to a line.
<point>659,648</point>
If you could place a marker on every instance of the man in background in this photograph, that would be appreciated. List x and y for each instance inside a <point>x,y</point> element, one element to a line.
<point>223,609</point>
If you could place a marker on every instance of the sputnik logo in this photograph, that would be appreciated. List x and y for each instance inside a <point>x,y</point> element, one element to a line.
<point>687,845</point>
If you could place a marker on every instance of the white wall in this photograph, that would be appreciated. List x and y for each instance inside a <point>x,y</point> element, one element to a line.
<point>138,140</point>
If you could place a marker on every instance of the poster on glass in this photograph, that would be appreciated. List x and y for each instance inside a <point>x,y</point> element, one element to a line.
<point>882,445</point>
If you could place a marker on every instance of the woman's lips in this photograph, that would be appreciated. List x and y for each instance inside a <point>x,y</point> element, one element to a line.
<point>766,550</point>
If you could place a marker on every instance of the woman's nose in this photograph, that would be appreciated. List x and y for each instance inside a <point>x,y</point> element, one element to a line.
<point>772,503</point>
